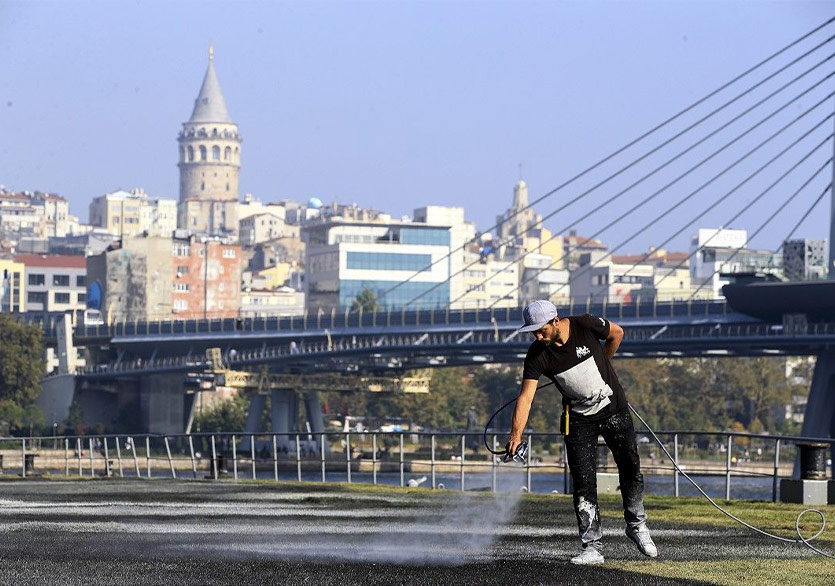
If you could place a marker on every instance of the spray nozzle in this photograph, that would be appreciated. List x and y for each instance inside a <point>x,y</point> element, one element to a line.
<point>519,455</point>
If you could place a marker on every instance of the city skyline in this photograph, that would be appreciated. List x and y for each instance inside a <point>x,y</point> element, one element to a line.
<point>415,131</point>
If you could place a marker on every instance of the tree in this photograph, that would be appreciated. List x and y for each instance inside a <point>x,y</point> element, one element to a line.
<point>228,415</point>
<point>21,361</point>
<point>365,300</point>
<point>75,418</point>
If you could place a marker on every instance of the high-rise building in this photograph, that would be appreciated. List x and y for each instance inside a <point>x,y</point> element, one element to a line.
<point>805,260</point>
<point>345,257</point>
<point>210,162</point>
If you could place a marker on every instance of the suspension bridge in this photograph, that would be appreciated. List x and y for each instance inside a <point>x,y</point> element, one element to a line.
<point>755,151</point>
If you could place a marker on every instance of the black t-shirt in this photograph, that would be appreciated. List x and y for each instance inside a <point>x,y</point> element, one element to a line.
<point>579,369</point>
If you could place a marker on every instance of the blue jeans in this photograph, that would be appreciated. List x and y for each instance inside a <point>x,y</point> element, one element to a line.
<point>581,448</point>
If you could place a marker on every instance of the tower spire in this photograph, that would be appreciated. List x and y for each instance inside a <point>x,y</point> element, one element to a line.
<point>211,51</point>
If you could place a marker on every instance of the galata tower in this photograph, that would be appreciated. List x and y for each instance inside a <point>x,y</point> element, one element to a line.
<point>210,162</point>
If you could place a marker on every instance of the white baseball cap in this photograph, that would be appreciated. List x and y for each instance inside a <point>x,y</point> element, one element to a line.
<point>537,314</point>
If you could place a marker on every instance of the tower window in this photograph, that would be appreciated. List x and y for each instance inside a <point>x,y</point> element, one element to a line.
<point>182,154</point>
<point>190,153</point>
<point>215,152</point>
<point>227,187</point>
<point>202,187</point>
<point>227,152</point>
<point>202,153</point>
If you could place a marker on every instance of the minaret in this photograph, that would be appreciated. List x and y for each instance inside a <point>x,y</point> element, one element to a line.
<point>210,162</point>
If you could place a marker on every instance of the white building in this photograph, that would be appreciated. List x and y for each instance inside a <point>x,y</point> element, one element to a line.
<point>720,252</point>
<point>128,213</point>
<point>398,261</point>
<point>266,226</point>
<point>55,283</point>
<point>461,232</point>
<point>612,282</point>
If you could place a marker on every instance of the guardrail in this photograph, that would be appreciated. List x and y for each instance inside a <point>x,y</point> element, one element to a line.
<point>440,460</point>
<point>493,335</point>
<point>332,319</point>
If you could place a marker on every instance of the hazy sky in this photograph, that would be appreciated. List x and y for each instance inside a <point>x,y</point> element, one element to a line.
<point>395,105</point>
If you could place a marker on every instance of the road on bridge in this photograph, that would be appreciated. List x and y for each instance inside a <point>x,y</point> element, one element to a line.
<point>129,531</point>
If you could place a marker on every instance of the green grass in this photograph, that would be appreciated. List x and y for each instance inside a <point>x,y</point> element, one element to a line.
<point>733,572</point>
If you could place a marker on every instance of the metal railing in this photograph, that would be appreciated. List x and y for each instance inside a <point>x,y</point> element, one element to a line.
<point>346,318</point>
<point>491,335</point>
<point>440,460</point>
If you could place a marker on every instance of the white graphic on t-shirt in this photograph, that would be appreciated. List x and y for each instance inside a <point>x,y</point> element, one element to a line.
<point>603,321</point>
<point>584,387</point>
<point>583,351</point>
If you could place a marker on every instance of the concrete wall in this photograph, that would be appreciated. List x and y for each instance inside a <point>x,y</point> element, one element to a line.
<point>56,396</point>
<point>162,403</point>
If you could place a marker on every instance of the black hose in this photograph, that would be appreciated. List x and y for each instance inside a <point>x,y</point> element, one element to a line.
<point>805,541</point>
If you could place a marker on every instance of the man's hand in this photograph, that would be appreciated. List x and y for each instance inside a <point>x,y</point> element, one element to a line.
<point>510,449</point>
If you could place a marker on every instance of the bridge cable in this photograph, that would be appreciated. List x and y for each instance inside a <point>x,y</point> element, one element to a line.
<point>658,192</point>
<point>668,162</point>
<point>806,215</point>
<point>693,220</point>
<point>647,134</point>
<point>739,213</point>
<point>639,181</point>
<point>800,539</point>
<point>759,229</point>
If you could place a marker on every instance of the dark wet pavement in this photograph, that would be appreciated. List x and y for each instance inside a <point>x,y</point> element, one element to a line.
<point>90,532</point>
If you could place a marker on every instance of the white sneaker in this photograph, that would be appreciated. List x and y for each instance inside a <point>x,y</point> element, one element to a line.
<point>643,540</point>
<point>589,555</point>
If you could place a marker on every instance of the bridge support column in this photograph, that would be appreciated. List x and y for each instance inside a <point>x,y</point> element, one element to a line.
<point>162,403</point>
<point>188,409</point>
<point>819,418</point>
<point>253,416</point>
<point>284,414</point>
<point>313,408</point>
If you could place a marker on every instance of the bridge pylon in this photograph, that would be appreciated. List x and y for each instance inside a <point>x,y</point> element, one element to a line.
<point>819,418</point>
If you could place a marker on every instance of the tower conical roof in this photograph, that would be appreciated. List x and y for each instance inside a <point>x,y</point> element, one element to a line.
<point>210,105</point>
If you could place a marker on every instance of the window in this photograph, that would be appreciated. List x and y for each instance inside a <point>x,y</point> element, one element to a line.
<point>180,304</point>
<point>190,153</point>
<point>181,250</point>
<point>227,152</point>
<point>62,298</point>
<point>202,153</point>
<point>215,153</point>
<point>61,280</point>
<point>436,236</point>
<point>81,280</point>
<point>388,261</point>
<point>36,297</point>
<point>228,253</point>
<point>181,287</point>
<point>182,270</point>
<point>82,298</point>
<point>35,279</point>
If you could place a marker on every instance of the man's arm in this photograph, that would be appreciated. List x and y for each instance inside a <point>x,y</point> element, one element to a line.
<point>520,414</point>
<point>613,340</point>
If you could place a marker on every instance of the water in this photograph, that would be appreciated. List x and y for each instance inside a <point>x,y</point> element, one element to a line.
<point>507,478</point>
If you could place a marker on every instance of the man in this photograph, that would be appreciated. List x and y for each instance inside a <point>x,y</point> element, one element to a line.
<point>568,351</point>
